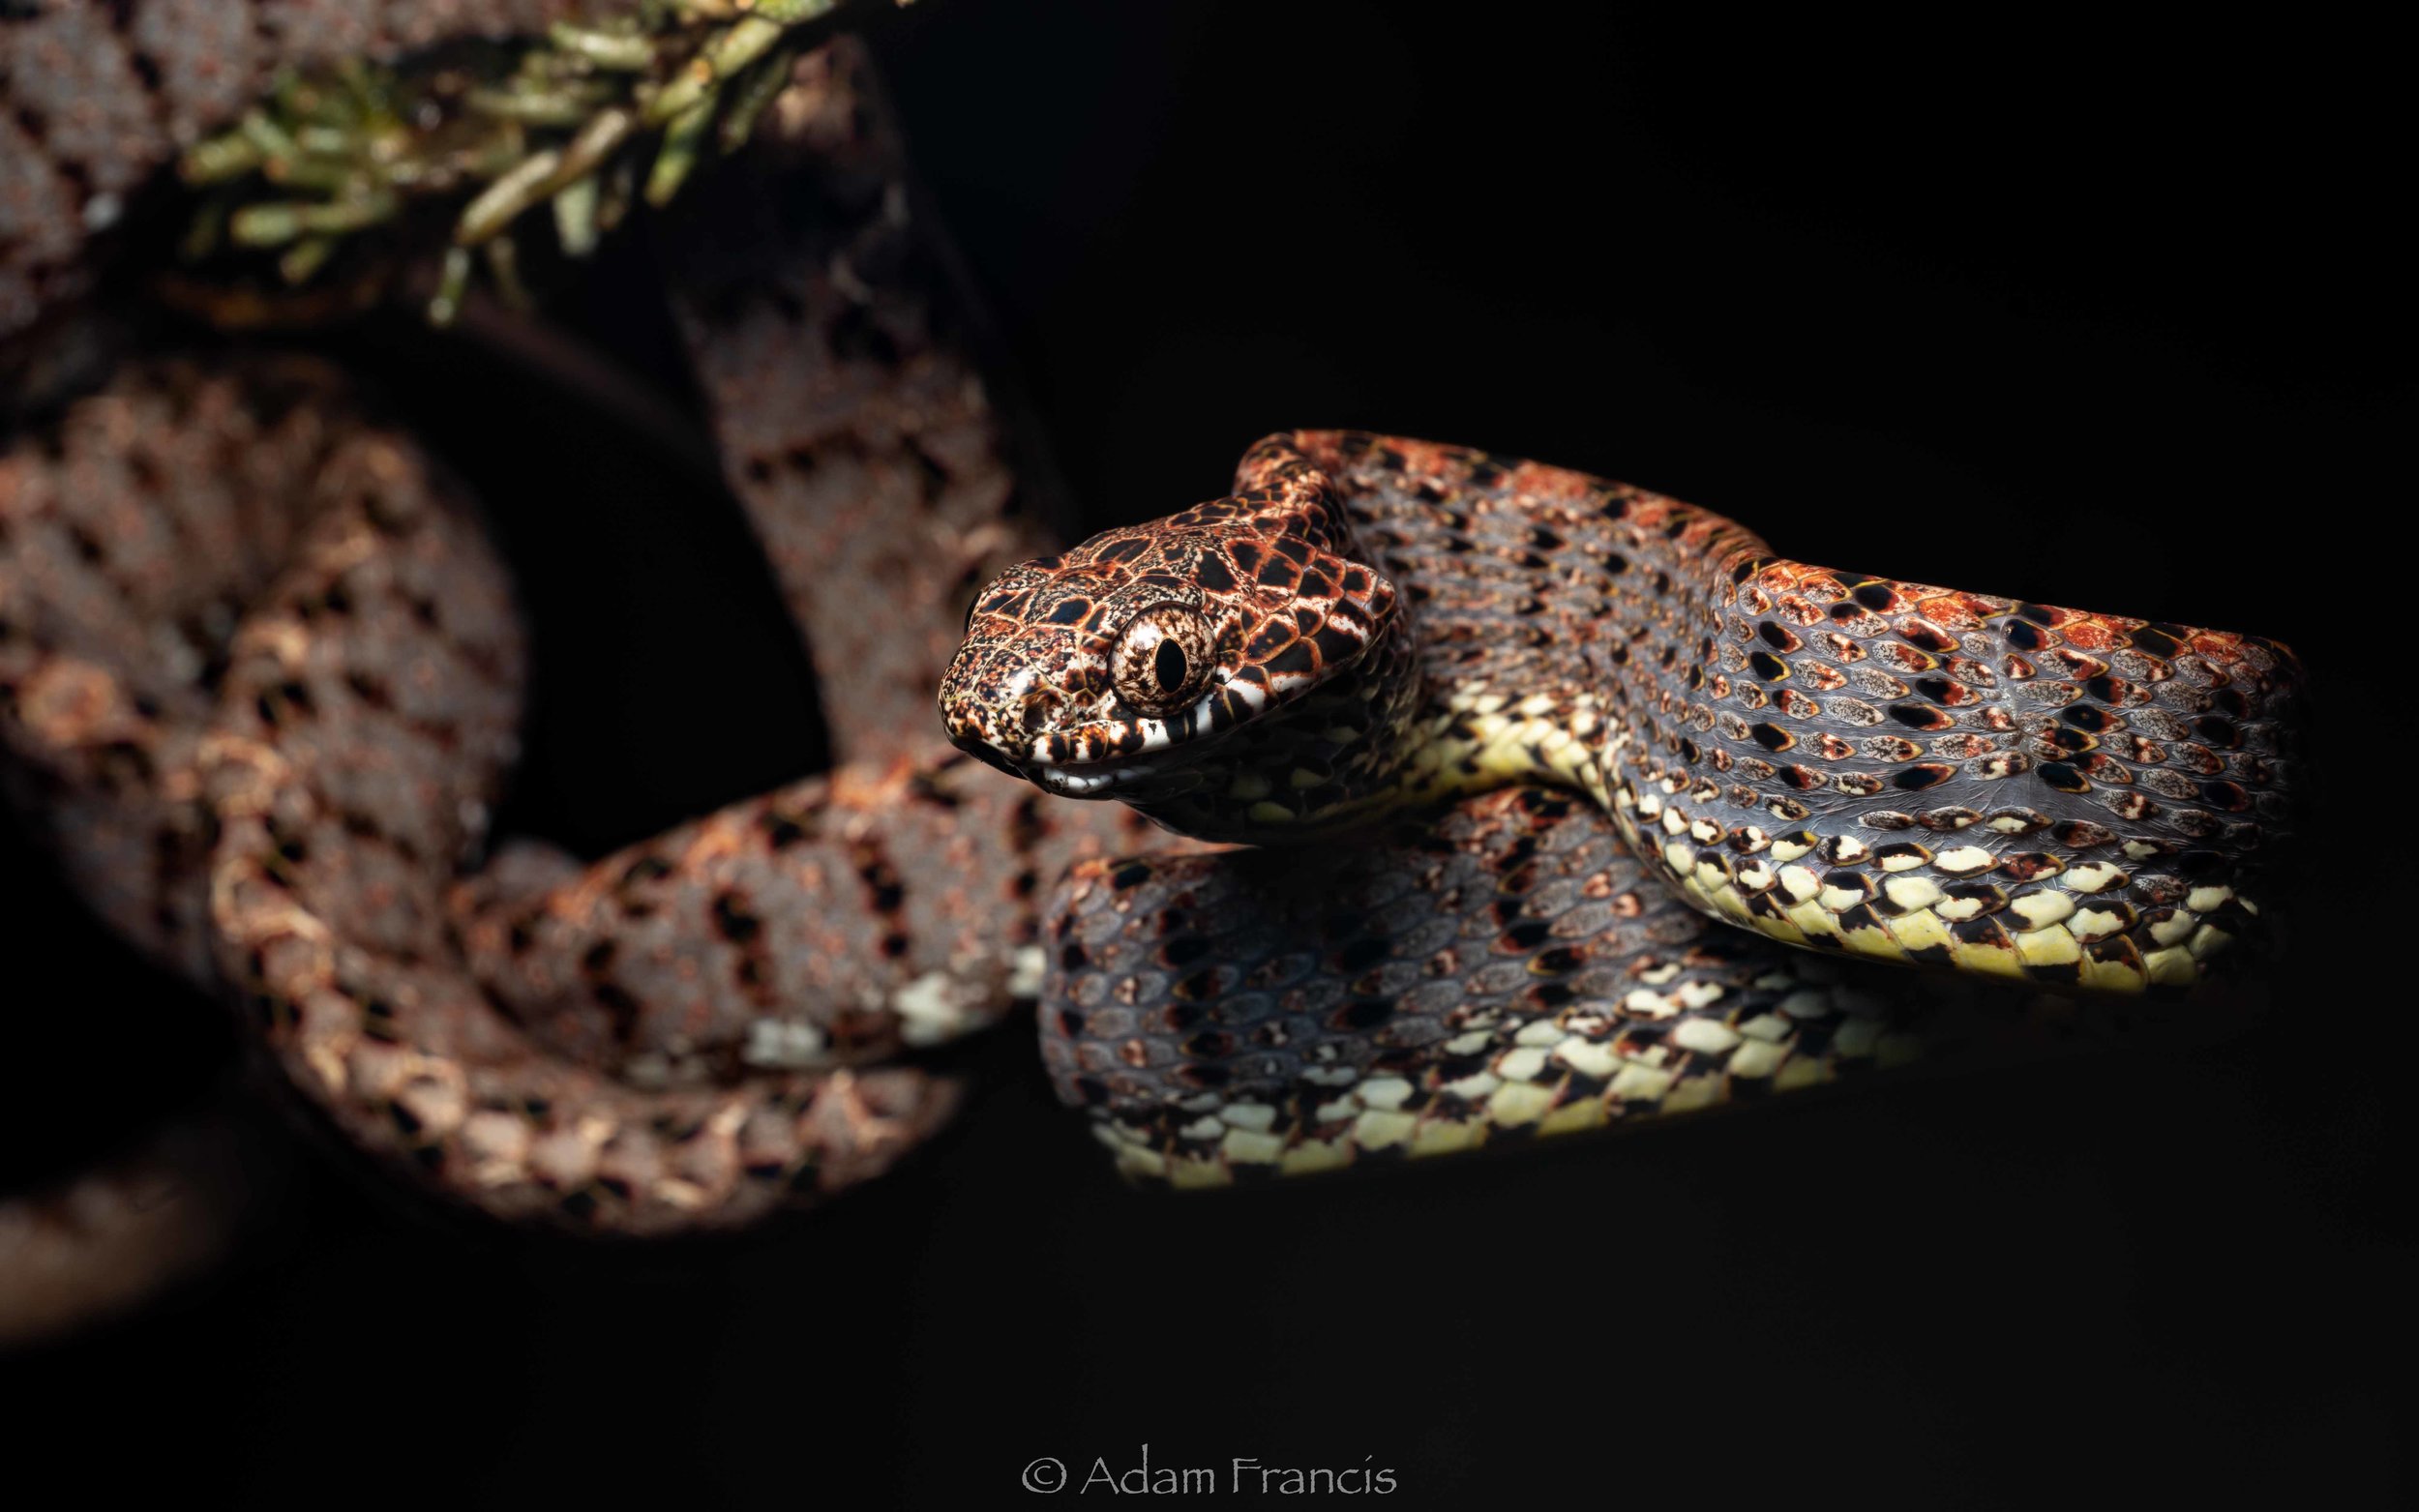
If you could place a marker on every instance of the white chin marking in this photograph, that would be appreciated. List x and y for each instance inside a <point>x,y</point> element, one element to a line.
<point>1072,784</point>
<point>1087,783</point>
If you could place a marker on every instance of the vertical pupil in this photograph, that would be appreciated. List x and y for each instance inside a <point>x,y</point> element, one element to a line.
<point>1166,663</point>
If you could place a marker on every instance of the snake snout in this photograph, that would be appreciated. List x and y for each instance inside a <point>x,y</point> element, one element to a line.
<point>975,731</point>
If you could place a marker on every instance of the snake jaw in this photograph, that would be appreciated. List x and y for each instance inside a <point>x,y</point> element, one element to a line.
<point>1116,781</point>
<point>1061,783</point>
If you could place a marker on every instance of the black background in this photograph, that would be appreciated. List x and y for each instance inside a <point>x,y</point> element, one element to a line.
<point>2110,318</point>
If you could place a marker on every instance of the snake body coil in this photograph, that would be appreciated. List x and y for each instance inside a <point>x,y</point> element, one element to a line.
<point>260,682</point>
<point>1369,627</point>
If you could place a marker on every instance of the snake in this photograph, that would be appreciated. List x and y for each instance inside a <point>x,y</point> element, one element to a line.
<point>261,677</point>
<point>1369,627</point>
<point>261,682</point>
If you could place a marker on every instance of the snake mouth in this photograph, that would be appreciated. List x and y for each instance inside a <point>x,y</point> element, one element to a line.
<point>1107,776</point>
<point>1105,749</point>
<point>1153,779</point>
<point>1087,768</point>
<point>1093,781</point>
<point>1067,778</point>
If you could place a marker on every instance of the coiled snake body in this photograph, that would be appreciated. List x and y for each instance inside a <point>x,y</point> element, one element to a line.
<point>1880,769</point>
<point>260,681</point>
<point>260,676</point>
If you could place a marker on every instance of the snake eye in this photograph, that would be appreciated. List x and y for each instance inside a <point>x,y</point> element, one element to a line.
<point>1162,660</point>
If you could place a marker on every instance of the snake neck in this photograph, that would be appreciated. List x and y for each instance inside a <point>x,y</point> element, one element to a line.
<point>1402,732</point>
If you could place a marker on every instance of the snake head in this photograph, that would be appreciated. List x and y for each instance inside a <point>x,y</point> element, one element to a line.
<point>1134,665</point>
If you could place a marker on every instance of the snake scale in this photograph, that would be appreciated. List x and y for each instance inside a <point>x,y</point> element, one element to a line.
<point>261,677</point>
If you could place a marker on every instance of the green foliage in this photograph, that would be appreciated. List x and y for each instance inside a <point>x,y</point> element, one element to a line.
<point>587,119</point>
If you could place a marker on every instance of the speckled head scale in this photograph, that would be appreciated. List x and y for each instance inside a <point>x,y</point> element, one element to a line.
<point>1233,651</point>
